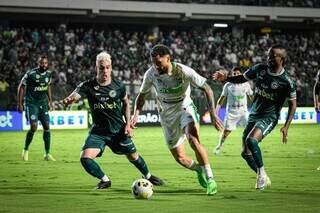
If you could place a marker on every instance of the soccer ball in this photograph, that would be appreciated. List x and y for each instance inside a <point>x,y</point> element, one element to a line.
<point>142,189</point>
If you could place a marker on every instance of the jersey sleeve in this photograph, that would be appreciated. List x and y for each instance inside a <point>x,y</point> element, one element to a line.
<point>123,91</point>
<point>146,83</point>
<point>24,79</point>
<point>252,72</point>
<point>194,77</point>
<point>292,88</point>
<point>225,90</point>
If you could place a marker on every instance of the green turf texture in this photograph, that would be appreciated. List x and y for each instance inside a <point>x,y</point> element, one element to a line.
<point>63,186</point>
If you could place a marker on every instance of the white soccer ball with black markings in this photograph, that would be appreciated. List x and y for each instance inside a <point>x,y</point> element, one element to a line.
<point>142,189</point>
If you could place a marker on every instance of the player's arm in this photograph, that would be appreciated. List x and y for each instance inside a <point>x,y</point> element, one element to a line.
<point>292,104</point>
<point>127,115</point>
<point>220,102</point>
<point>21,93</point>
<point>210,98</point>
<point>138,105</point>
<point>72,98</point>
<point>222,75</point>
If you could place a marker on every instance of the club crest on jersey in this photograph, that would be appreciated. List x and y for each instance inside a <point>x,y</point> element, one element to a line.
<point>263,72</point>
<point>112,93</point>
<point>46,79</point>
<point>274,85</point>
<point>96,87</point>
<point>37,76</point>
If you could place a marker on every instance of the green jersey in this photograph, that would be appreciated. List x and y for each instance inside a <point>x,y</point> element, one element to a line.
<point>37,84</point>
<point>106,105</point>
<point>271,91</point>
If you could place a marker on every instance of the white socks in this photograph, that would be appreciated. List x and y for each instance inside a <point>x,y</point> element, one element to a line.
<point>105,178</point>
<point>261,171</point>
<point>208,171</point>
<point>194,166</point>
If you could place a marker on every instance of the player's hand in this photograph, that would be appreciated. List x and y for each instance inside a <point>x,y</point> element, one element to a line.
<point>284,131</point>
<point>128,131</point>
<point>20,107</point>
<point>218,124</point>
<point>134,121</point>
<point>220,75</point>
<point>67,101</point>
<point>51,106</point>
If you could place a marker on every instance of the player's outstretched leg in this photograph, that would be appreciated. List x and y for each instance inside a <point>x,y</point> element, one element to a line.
<point>141,165</point>
<point>94,170</point>
<point>222,138</point>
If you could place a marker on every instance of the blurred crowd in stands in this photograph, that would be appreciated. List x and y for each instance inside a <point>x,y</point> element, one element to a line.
<point>267,3</point>
<point>72,54</point>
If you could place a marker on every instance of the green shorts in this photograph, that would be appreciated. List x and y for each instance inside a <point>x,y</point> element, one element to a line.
<point>37,112</point>
<point>119,144</point>
<point>266,125</point>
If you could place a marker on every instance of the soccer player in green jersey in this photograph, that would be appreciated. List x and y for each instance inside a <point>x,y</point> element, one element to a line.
<point>35,90</point>
<point>273,87</point>
<point>108,103</point>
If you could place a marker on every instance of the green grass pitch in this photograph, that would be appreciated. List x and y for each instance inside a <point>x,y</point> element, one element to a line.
<point>63,186</point>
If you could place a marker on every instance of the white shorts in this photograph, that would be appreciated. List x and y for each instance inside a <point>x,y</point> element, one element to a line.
<point>173,124</point>
<point>233,118</point>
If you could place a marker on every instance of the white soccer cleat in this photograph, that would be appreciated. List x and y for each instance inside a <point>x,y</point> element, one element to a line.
<point>48,157</point>
<point>217,150</point>
<point>25,155</point>
<point>263,181</point>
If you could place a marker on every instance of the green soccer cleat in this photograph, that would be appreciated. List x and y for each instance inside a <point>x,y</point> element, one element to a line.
<point>25,155</point>
<point>202,179</point>
<point>48,157</point>
<point>212,188</point>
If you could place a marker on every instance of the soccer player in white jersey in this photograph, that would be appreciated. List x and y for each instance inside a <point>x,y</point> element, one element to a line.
<point>236,109</point>
<point>179,117</point>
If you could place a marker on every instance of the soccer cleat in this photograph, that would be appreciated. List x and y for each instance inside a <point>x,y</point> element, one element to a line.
<point>48,157</point>
<point>262,182</point>
<point>25,155</point>
<point>202,178</point>
<point>217,150</point>
<point>212,187</point>
<point>103,184</point>
<point>155,180</point>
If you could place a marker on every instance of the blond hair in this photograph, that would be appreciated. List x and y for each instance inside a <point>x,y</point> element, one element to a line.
<point>103,56</point>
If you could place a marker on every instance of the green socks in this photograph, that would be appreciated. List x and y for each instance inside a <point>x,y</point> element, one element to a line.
<point>28,140</point>
<point>92,167</point>
<point>141,165</point>
<point>252,144</point>
<point>46,139</point>
<point>250,161</point>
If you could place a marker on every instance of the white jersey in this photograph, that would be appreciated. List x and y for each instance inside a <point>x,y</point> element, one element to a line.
<point>236,96</point>
<point>172,89</point>
<point>175,106</point>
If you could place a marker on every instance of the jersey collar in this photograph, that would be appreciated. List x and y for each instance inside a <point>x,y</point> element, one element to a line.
<point>275,74</point>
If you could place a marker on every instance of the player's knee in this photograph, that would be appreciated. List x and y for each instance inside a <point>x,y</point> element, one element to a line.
<point>33,129</point>
<point>193,140</point>
<point>251,143</point>
<point>85,161</point>
<point>245,154</point>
